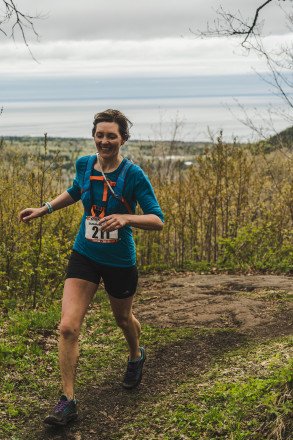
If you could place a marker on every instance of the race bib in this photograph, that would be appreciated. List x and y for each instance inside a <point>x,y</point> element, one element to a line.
<point>93,232</point>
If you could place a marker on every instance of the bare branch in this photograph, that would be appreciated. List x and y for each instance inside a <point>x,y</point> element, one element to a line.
<point>251,29</point>
<point>229,24</point>
<point>19,21</point>
<point>279,61</point>
<point>278,79</point>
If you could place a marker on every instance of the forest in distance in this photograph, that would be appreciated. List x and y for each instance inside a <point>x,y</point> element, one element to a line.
<point>72,148</point>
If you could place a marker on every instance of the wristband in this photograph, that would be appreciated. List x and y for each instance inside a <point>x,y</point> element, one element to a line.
<point>49,206</point>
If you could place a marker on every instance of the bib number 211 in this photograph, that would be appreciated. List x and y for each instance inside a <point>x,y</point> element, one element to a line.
<point>93,232</point>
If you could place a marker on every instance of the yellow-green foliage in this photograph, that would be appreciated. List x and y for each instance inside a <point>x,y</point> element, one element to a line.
<point>32,256</point>
<point>232,210</point>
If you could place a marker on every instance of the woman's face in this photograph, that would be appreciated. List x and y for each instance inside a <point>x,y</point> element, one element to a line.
<point>108,139</point>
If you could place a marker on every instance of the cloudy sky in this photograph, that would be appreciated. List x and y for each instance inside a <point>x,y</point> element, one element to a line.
<point>128,47</point>
<point>129,37</point>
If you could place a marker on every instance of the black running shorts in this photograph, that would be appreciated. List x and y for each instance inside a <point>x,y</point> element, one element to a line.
<point>119,282</point>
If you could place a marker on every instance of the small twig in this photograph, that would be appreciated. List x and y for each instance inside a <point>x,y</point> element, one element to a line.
<point>250,30</point>
<point>232,25</point>
<point>21,21</point>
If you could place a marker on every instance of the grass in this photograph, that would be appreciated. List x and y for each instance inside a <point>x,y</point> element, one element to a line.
<point>29,358</point>
<point>245,394</point>
<point>103,344</point>
<point>26,366</point>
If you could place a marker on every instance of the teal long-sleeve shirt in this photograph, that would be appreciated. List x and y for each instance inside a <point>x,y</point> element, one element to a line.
<point>138,189</point>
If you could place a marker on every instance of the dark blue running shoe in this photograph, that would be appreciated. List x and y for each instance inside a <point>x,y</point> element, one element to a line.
<point>65,411</point>
<point>133,373</point>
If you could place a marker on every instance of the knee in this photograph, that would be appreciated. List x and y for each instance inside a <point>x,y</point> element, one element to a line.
<point>123,321</point>
<point>68,330</point>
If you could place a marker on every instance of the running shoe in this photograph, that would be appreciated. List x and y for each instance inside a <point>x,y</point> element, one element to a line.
<point>65,411</point>
<point>133,373</point>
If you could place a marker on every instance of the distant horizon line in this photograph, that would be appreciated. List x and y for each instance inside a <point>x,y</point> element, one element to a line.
<point>232,95</point>
<point>64,138</point>
<point>8,137</point>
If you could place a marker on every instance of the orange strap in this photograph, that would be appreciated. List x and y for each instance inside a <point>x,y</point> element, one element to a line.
<point>105,197</point>
<point>105,193</point>
<point>102,213</point>
<point>126,205</point>
<point>102,178</point>
<point>96,178</point>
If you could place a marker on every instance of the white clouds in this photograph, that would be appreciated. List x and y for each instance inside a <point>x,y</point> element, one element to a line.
<point>117,49</point>
<point>140,19</point>
<point>158,57</point>
<point>142,38</point>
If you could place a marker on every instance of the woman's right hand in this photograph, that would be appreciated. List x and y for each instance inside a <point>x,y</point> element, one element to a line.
<point>30,213</point>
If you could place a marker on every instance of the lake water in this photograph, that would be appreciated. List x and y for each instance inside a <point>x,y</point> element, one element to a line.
<point>66,109</point>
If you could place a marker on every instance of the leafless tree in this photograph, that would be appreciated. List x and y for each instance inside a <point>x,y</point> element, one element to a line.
<point>250,31</point>
<point>229,24</point>
<point>13,21</point>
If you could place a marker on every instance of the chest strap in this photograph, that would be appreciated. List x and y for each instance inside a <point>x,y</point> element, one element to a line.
<point>111,205</point>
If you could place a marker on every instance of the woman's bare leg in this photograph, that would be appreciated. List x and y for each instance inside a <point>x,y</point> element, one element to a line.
<point>77,296</point>
<point>122,310</point>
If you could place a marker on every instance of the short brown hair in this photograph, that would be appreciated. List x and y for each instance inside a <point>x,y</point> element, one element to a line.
<point>111,115</point>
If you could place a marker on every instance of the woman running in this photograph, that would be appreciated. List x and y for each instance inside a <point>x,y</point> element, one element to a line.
<point>109,186</point>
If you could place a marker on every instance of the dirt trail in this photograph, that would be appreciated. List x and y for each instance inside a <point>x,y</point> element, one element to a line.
<point>248,305</point>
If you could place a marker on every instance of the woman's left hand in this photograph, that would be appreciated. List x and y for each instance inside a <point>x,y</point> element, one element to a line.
<point>113,222</point>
